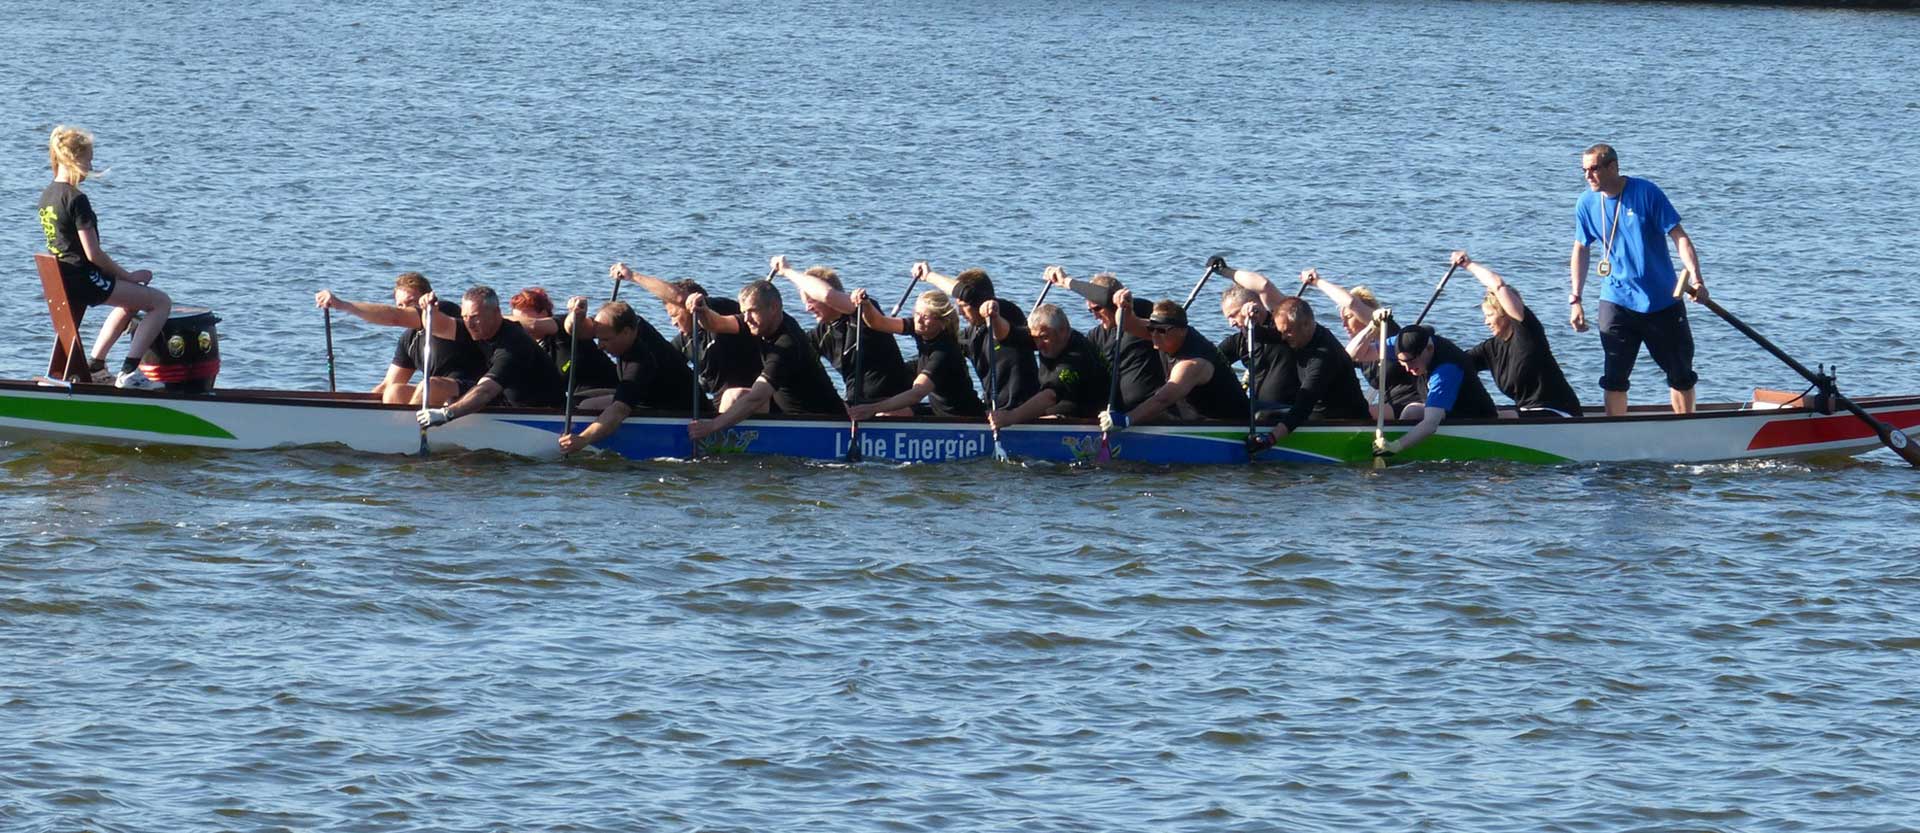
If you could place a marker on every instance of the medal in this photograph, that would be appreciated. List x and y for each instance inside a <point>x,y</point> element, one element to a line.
<point>1606,264</point>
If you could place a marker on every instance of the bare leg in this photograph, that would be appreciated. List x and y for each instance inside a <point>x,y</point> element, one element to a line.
<point>1616,402</point>
<point>1682,400</point>
<point>110,331</point>
<point>126,298</point>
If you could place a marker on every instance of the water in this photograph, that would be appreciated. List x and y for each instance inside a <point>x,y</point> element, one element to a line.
<point>319,640</point>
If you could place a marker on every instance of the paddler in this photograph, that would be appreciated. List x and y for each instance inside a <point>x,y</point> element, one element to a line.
<point>518,372</point>
<point>729,362</point>
<point>1518,354</point>
<point>1632,220</point>
<point>532,309</point>
<point>940,373</point>
<point>1073,374</point>
<point>652,373</point>
<point>90,276</point>
<point>997,339</point>
<point>1323,386</point>
<point>1248,307</point>
<point>1199,382</point>
<point>791,375</point>
<point>875,356</point>
<point>1452,387</point>
<point>1363,343</point>
<point>456,364</point>
<point>1140,372</point>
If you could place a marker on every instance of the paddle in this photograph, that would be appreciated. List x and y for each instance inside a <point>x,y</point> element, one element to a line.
<point>327,320</point>
<point>1105,454</point>
<point>1890,436</point>
<point>426,372</point>
<point>1436,295</point>
<point>1040,300</point>
<point>1216,263</point>
<point>993,389</point>
<point>1253,385</point>
<point>693,347</point>
<point>853,387</point>
<point>573,361</point>
<point>904,296</point>
<point>1380,317</point>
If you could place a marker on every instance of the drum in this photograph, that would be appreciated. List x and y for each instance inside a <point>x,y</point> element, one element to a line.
<point>186,356</point>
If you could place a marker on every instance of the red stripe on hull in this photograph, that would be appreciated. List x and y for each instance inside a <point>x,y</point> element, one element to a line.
<point>1782,433</point>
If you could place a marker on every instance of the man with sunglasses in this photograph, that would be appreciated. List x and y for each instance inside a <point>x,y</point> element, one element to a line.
<point>1140,372</point>
<point>653,373</point>
<point>1632,220</point>
<point>1199,382</point>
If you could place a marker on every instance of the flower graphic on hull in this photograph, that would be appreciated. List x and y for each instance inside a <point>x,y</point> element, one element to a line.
<point>732,442</point>
<point>1087,449</point>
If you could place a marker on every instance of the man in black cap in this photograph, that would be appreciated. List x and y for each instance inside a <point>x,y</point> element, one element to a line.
<point>1199,382</point>
<point>1447,375</point>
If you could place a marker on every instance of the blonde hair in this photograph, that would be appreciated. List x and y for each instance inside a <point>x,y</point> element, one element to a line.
<point>826,273</point>
<point>937,304</point>
<point>1364,294</point>
<point>65,146</point>
<point>1491,303</point>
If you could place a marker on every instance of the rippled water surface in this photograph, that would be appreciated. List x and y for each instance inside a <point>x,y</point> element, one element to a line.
<point>321,640</point>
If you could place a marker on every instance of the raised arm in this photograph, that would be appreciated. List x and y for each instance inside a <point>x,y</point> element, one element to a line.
<point>1124,318</point>
<point>874,318</point>
<point>654,286</point>
<point>386,315</point>
<point>714,322</point>
<point>1257,283</point>
<point>812,287</point>
<point>1335,293</point>
<point>1509,300</point>
<point>925,272</point>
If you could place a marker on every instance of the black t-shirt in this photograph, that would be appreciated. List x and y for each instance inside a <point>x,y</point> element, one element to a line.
<point>1524,368</point>
<point>1141,372</point>
<point>945,365</point>
<point>883,372</point>
<point>1013,356</point>
<point>515,362</point>
<point>1078,376</point>
<point>1272,364</point>
<point>1473,401</point>
<point>654,374</point>
<point>64,211</point>
<point>800,383</point>
<point>1324,386</point>
<point>1402,388</point>
<point>453,358</point>
<point>727,360</point>
<point>1220,397</point>
<point>596,369</point>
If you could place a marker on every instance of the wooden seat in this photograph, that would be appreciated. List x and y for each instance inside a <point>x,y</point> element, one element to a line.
<point>69,361</point>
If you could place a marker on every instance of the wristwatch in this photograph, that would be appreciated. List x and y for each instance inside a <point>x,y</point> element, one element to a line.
<point>1573,300</point>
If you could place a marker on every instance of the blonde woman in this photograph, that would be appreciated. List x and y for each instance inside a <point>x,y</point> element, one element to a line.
<point>1356,315</point>
<point>940,375</point>
<point>91,277</point>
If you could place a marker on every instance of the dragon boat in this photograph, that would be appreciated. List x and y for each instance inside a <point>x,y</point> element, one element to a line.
<point>1768,426</point>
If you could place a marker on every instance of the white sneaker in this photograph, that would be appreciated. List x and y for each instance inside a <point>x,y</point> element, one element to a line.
<point>135,380</point>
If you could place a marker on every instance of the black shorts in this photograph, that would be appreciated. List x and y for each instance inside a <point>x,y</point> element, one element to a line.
<point>1668,337</point>
<point>85,286</point>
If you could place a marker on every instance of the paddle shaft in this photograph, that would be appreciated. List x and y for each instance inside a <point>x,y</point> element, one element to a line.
<point>1380,410</point>
<point>327,321</point>
<point>1113,386</point>
<point>1196,288</point>
<point>573,361</point>
<point>1253,378</point>
<point>1040,300</point>
<point>903,297</point>
<point>426,370</point>
<point>1435,297</point>
<point>693,349</point>
<point>856,383</point>
<point>1892,437</point>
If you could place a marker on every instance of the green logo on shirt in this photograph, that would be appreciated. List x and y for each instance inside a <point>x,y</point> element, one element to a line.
<point>47,220</point>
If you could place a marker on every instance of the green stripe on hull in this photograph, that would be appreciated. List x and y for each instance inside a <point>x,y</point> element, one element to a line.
<point>124,416</point>
<point>1357,447</point>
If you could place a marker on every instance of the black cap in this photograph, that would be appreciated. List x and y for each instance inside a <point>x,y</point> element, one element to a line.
<point>972,293</point>
<point>1167,315</point>
<point>1413,340</point>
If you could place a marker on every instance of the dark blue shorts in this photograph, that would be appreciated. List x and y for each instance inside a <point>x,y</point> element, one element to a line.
<point>85,285</point>
<point>1668,337</point>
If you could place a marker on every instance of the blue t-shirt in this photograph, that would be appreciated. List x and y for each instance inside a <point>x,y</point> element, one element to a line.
<point>1443,386</point>
<point>1643,275</point>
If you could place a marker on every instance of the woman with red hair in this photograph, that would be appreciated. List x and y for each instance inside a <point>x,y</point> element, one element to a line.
<point>533,309</point>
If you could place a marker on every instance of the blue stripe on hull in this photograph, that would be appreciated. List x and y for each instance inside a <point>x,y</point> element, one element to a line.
<point>899,442</point>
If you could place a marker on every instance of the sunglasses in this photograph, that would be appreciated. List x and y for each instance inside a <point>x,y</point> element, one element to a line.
<point>1161,328</point>
<point>1593,168</point>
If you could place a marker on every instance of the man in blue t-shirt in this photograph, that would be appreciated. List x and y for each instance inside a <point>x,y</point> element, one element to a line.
<point>1631,220</point>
